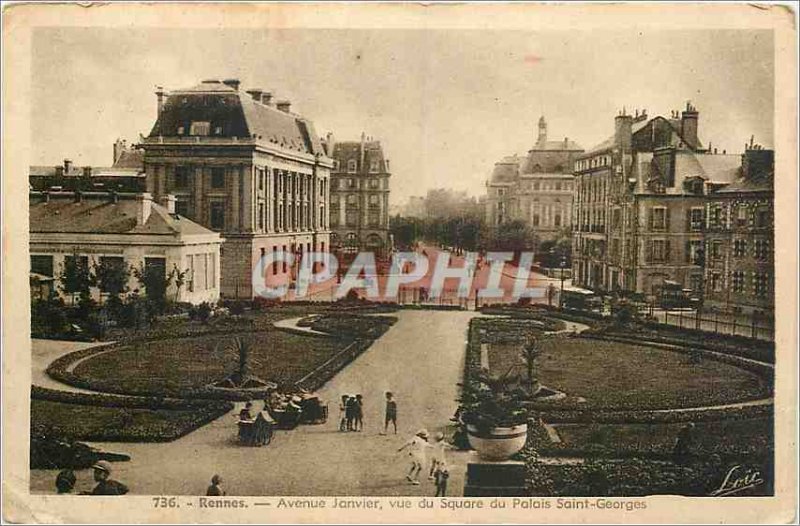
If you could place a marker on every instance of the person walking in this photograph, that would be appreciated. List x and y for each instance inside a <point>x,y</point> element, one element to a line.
<point>215,489</point>
<point>441,476</point>
<point>391,413</point>
<point>350,412</point>
<point>343,413</point>
<point>417,447</point>
<point>359,413</point>
<point>105,484</point>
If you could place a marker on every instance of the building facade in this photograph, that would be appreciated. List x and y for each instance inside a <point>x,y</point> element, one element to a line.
<point>640,204</point>
<point>537,188</point>
<point>123,228</point>
<point>246,167</point>
<point>359,211</point>
<point>740,239</point>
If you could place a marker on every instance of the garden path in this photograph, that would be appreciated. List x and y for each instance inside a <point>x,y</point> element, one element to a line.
<point>420,359</point>
<point>45,352</point>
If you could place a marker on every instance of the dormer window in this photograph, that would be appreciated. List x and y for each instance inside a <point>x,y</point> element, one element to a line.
<point>200,128</point>
<point>217,130</point>
<point>373,166</point>
<point>181,130</point>
<point>351,166</point>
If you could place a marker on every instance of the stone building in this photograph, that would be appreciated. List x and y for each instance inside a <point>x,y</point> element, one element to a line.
<point>740,239</point>
<point>124,228</point>
<point>245,166</point>
<point>359,211</point>
<point>639,204</point>
<point>126,174</point>
<point>536,188</point>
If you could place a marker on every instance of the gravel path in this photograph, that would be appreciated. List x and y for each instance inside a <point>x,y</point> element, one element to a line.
<point>420,359</point>
<point>45,352</point>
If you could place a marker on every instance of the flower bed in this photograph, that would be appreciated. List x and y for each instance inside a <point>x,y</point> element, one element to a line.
<point>615,381</point>
<point>587,416</point>
<point>119,424</point>
<point>115,401</point>
<point>638,477</point>
<point>352,326</point>
<point>729,439</point>
<point>739,346</point>
<point>187,365</point>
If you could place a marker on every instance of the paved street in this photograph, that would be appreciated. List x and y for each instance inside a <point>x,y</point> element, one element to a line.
<point>420,359</point>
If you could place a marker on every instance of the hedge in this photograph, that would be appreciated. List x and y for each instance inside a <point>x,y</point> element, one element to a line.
<point>115,401</point>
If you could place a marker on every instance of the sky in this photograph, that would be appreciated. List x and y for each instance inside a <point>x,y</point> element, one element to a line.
<point>445,104</point>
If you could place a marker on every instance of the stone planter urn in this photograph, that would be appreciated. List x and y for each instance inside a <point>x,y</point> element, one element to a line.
<point>497,443</point>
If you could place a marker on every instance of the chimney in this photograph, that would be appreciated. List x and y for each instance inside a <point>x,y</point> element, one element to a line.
<point>266,98</point>
<point>87,171</point>
<point>284,105</point>
<point>168,202</point>
<point>59,171</point>
<point>664,159</point>
<point>159,100</point>
<point>255,93</point>
<point>143,203</point>
<point>329,144</point>
<point>689,118</point>
<point>623,131</point>
<point>232,83</point>
<point>67,166</point>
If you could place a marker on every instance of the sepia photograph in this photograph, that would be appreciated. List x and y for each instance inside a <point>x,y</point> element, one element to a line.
<point>364,269</point>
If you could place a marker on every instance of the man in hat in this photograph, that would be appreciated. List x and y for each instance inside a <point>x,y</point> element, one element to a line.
<point>105,484</point>
<point>417,447</point>
<point>215,489</point>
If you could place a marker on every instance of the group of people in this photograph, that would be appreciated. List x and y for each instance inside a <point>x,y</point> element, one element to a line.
<point>105,485</point>
<point>418,448</point>
<point>351,413</point>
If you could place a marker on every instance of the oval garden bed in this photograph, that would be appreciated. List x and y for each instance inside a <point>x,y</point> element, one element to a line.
<point>619,376</point>
<point>186,366</point>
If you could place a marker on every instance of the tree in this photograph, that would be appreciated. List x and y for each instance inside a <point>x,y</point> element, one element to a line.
<point>75,276</point>
<point>112,276</point>
<point>529,354</point>
<point>155,281</point>
<point>514,236</point>
<point>180,279</point>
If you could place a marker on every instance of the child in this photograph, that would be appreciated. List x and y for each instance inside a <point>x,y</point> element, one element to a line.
<point>391,413</point>
<point>343,413</point>
<point>359,413</point>
<point>350,412</point>
<point>442,474</point>
<point>416,450</point>
<point>437,454</point>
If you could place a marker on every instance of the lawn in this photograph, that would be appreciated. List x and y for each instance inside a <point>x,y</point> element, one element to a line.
<point>179,364</point>
<point>85,422</point>
<point>731,437</point>
<point>618,376</point>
